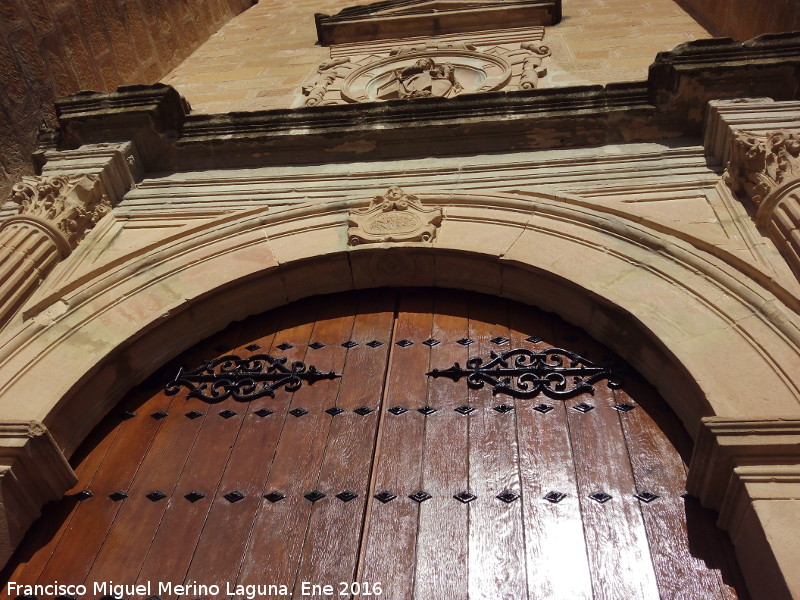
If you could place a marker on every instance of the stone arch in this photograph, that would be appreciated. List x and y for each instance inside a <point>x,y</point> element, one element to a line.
<point>695,324</point>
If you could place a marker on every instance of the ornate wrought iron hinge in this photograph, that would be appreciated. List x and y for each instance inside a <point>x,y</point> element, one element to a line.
<point>244,379</point>
<point>523,373</point>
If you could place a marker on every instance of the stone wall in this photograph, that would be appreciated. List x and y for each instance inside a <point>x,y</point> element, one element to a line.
<point>745,19</point>
<point>258,61</point>
<point>51,48</point>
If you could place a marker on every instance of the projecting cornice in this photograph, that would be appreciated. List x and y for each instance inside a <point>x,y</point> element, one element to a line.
<point>670,104</point>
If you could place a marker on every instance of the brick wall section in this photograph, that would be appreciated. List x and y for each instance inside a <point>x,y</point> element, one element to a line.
<point>745,19</point>
<point>258,60</point>
<point>51,48</point>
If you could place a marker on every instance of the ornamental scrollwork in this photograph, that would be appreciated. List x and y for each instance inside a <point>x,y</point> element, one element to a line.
<point>393,217</point>
<point>67,205</point>
<point>761,162</point>
<point>522,373</point>
<point>244,379</point>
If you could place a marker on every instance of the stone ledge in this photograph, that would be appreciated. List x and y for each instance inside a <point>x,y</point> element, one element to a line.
<point>670,104</point>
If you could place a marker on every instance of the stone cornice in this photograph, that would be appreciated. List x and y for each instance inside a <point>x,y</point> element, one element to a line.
<point>670,104</point>
<point>766,448</point>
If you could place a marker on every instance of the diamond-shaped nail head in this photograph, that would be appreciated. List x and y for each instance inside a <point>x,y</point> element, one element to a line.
<point>227,413</point>
<point>384,497</point>
<point>275,497</point>
<point>583,407</point>
<point>84,495</point>
<point>499,341</point>
<point>117,496</point>
<point>298,412</point>
<point>334,410</point>
<point>426,410</point>
<point>159,415</point>
<point>374,344</point>
<point>194,496</point>
<point>465,342</point>
<point>252,347</point>
<point>554,497</point>
<point>350,344</point>
<point>646,496</point>
<point>507,496</point>
<point>284,346</point>
<point>600,497</point>
<point>533,339</point>
<point>346,496</point>
<point>504,408</point>
<point>623,407</point>
<point>263,412</point>
<point>431,342</point>
<point>543,408</point>
<point>363,410</point>
<point>234,496</point>
<point>314,496</point>
<point>405,343</point>
<point>316,345</point>
<point>465,497</point>
<point>464,409</point>
<point>398,410</point>
<point>156,496</point>
<point>420,496</point>
<point>125,415</point>
<point>194,414</point>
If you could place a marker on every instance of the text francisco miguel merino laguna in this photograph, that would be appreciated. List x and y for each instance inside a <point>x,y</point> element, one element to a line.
<point>109,588</point>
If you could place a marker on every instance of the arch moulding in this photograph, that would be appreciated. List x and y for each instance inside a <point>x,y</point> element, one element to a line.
<point>721,347</point>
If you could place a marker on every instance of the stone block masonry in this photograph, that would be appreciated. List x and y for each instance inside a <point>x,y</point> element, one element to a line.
<point>51,48</point>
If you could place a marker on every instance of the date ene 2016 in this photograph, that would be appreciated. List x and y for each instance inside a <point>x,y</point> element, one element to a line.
<point>345,588</point>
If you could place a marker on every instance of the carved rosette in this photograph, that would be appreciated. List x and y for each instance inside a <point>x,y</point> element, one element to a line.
<point>66,206</point>
<point>762,162</point>
<point>393,217</point>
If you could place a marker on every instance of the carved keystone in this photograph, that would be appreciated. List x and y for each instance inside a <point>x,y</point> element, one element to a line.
<point>393,217</point>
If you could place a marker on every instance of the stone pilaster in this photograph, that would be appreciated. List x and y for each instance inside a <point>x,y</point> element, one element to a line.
<point>53,214</point>
<point>749,470</point>
<point>33,471</point>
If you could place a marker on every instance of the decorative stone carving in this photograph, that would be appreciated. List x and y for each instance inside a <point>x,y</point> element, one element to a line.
<point>66,206</point>
<point>316,86</point>
<point>433,69</point>
<point>393,217</point>
<point>761,162</point>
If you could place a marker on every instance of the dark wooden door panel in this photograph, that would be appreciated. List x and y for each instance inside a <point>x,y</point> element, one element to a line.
<point>427,486</point>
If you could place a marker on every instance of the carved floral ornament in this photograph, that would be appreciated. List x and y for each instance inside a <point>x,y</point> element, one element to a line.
<point>393,217</point>
<point>441,70</point>
<point>66,206</point>
<point>761,162</point>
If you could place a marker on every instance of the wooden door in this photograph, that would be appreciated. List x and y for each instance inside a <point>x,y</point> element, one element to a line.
<point>396,461</point>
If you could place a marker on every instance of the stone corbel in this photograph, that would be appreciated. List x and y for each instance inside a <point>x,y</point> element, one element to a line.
<point>749,470</point>
<point>33,471</point>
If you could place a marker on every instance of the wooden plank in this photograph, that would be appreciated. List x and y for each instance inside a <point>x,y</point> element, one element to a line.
<point>330,553</point>
<point>222,545</point>
<point>178,534</point>
<point>657,469</point>
<point>443,539</point>
<point>621,564</point>
<point>390,535</point>
<point>93,518</point>
<point>496,542</point>
<point>555,558</point>
<point>43,538</point>
<point>279,532</point>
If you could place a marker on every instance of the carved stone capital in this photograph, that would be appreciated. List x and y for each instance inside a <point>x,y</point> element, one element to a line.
<point>65,206</point>
<point>393,217</point>
<point>761,162</point>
